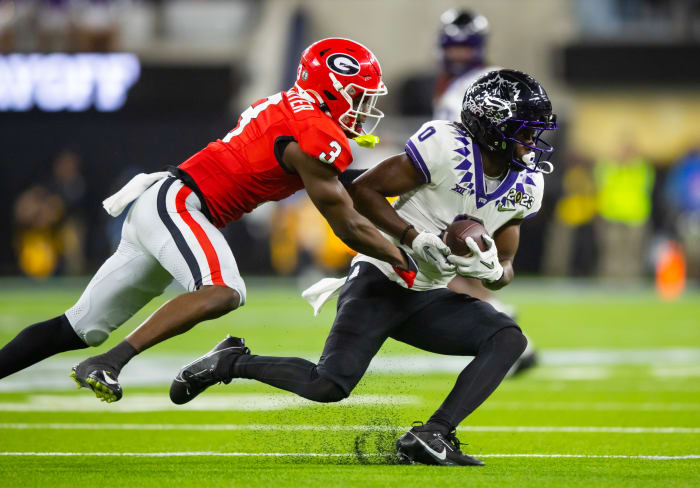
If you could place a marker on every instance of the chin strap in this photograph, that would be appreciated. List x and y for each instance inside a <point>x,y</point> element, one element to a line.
<point>545,164</point>
<point>544,167</point>
<point>313,97</point>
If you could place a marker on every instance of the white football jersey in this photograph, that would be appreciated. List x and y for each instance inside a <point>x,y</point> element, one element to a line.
<point>454,186</point>
<point>448,106</point>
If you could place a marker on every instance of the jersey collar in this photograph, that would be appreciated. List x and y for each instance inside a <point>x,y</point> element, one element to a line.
<point>482,198</point>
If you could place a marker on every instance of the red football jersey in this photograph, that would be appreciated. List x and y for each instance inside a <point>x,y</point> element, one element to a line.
<point>244,169</point>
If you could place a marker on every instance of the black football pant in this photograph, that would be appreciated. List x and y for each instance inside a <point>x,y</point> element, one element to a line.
<point>371,308</point>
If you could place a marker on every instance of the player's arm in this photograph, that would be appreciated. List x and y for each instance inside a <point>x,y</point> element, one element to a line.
<point>392,177</point>
<point>334,203</point>
<point>507,239</point>
<point>395,176</point>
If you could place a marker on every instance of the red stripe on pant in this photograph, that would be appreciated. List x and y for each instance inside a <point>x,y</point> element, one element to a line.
<point>200,235</point>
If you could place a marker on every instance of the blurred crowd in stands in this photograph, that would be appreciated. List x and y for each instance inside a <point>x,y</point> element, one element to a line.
<point>49,223</point>
<point>616,217</point>
<point>622,215</point>
<point>59,25</point>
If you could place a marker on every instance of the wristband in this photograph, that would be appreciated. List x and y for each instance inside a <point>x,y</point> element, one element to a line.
<point>405,231</point>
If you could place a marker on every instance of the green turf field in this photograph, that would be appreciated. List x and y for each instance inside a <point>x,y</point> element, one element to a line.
<point>615,402</point>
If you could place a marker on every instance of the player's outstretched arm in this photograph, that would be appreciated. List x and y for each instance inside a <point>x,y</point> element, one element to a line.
<point>391,177</point>
<point>507,239</point>
<point>334,203</point>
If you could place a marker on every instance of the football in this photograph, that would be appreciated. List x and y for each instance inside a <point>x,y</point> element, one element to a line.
<point>458,231</point>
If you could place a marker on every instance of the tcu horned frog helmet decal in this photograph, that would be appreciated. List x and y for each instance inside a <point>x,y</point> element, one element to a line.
<point>344,78</point>
<point>501,107</point>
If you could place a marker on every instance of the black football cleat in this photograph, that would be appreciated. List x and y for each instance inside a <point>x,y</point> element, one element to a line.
<point>100,378</point>
<point>434,448</point>
<point>204,372</point>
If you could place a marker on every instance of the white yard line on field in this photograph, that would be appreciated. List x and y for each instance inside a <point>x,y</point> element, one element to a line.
<point>156,402</point>
<point>332,455</point>
<point>292,427</point>
<point>148,402</point>
<point>595,406</point>
<point>592,456</point>
<point>560,364</point>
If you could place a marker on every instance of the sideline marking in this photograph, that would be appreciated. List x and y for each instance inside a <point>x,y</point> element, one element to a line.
<point>340,428</point>
<point>344,454</point>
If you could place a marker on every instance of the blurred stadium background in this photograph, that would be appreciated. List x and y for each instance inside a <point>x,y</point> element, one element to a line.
<point>95,91</point>
<point>166,77</point>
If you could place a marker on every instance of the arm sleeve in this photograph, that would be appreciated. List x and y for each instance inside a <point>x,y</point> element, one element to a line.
<point>349,175</point>
<point>328,146</point>
<point>426,149</point>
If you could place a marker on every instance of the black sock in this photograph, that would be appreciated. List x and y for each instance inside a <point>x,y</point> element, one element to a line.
<point>116,357</point>
<point>292,374</point>
<point>436,424</point>
<point>38,342</point>
<point>481,377</point>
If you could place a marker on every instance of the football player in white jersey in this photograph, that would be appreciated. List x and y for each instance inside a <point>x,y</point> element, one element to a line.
<point>488,167</point>
<point>462,41</point>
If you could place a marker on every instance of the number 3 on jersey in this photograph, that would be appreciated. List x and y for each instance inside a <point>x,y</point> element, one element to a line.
<point>330,157</point>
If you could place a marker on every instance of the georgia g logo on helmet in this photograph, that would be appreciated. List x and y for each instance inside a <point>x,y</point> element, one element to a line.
<point>343,64</point>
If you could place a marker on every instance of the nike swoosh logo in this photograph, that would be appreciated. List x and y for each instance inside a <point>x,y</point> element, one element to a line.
<point>437,455</point>
<point>108,378</point>
<point>488,265</point>
<point>501,208</point>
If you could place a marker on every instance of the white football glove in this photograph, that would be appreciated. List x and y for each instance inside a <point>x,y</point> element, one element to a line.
<point>433,251</point>
<point>483,265</point>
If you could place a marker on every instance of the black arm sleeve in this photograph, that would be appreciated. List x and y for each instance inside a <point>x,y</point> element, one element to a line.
<point>349,175</point>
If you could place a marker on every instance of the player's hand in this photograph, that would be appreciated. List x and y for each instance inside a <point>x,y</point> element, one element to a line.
<point>433,251</point>
<point>483,265</point>
<point>408,273</point>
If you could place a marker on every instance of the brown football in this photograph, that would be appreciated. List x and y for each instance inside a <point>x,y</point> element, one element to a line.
<point>459,230</point>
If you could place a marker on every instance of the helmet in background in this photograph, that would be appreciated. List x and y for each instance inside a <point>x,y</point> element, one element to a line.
<point>344,78</point>
<point>463,28</point>
<point>501,104</point>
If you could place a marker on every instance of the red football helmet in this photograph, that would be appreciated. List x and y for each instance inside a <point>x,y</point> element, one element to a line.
<point>345,79</point>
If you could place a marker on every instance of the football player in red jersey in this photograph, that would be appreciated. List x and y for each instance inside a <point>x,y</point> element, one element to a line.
<point>283,143</point>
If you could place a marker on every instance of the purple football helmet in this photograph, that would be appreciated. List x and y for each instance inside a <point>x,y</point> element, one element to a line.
<point>501,104</point>
<point>463,28</point>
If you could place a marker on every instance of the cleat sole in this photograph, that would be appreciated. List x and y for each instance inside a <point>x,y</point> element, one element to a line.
<point>77,381</point>
<point>101,391</point>
<point>403,458</point>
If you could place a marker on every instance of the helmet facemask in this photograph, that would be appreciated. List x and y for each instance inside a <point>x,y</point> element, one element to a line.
<point>362,115</point>
<point>531,161</point>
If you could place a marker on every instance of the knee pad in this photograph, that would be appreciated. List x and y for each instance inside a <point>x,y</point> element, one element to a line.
<point>93,333</point>
<point>93,324</point>
<point>94,337</point>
